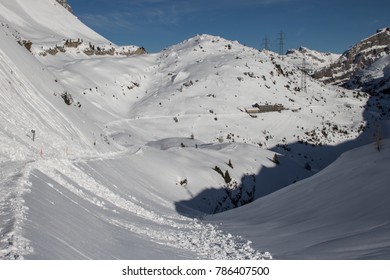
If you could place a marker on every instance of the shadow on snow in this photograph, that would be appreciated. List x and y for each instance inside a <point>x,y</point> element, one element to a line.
<point>303,161</point>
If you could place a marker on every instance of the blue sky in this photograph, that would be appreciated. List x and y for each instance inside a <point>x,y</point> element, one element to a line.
<point>324,25</point>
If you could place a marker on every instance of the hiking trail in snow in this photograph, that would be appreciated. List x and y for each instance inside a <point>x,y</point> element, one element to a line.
<point>163,227</point>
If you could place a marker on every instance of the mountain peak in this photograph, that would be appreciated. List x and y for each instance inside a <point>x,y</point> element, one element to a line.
<point>205,39</point>
<point>383,30</point>
<point>314,60</point>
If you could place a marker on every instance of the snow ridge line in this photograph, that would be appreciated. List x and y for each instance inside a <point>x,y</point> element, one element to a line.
<point>13,184</point>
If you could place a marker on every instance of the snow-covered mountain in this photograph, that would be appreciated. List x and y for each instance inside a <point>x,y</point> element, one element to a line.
<point>47,28</point>
<point>108,152</point>
<point>309,59</point>
<point>355,67</point>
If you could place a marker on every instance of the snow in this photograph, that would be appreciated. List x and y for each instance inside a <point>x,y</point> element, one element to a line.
<point>314,60</point>
<point>128,170</point>
<point>45,21</point>
<point>339,213</point>
<point>375,78</point>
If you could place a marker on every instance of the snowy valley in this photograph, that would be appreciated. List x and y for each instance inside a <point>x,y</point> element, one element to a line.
<point>108,152</point>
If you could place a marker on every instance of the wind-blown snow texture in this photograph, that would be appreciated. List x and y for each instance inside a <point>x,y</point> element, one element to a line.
<point>110,153</point>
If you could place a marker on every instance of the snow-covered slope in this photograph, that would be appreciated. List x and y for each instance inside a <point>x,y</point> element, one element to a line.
<point>310,59</point>
<point>131,151</point>
<point>46,28</point>
<point>373,79</point>
<point>31,100</point>
<point>66,5</point>
<point>202,87</point>
<point>45,21</point>
<point>340,213</point>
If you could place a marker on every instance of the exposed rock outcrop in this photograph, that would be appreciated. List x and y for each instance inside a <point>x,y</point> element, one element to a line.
<point>65,4</point>
<point>359,57</point>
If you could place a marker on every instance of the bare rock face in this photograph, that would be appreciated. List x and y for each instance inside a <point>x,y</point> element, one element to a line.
<point>360,56</point>
<point>65,4</point>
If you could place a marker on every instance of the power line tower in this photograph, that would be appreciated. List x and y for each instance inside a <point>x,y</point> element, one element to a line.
<point>304,70</point>
<point>266,44</point>
<point>281,43</point>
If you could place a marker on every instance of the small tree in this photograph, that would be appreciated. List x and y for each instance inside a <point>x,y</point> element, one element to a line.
<point>218,170</point>
<point>307,166</point>
<point>227,177</point>
<point>378,138</point>
<point>275,159</point>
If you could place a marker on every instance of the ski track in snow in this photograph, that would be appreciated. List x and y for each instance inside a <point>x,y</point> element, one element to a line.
<point>205,240</point>
<point>179,232</point>
<point>13,184</point>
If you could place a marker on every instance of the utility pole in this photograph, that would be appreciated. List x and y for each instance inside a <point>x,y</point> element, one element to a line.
<point>281,43</point>
<point>266,44</point>
<point>304,76</point>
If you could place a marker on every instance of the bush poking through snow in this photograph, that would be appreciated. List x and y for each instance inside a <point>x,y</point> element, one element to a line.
<point>218,170</point>
<point>378,138</point>
<point>225,176</point>
<point>307,166</point>
<point>68,99</point>
<point>275,159</point>
<point>183,182</point>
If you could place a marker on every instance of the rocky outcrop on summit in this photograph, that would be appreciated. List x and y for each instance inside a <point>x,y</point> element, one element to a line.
<point>359,57</point>
<point>65,4</point>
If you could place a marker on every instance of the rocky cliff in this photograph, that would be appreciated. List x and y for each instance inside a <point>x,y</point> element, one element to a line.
<point>361,56</point>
